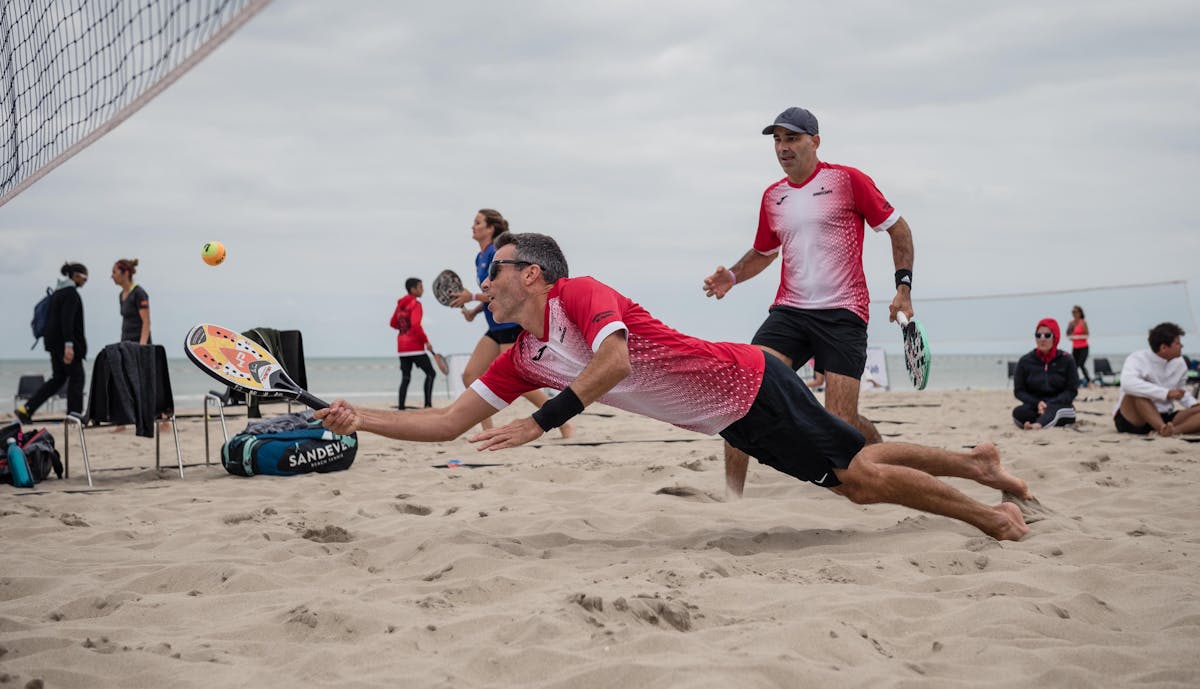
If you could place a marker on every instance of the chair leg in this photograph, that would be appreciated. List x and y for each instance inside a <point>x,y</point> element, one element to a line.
<point>87,467</point>
<point>224,431</point>
<point>178,454</point>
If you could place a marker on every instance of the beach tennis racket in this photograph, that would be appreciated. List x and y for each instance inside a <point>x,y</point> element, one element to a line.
<point>917,356</point>
<point>242,364</point>
<point>446,286</point>
<point>440,362</point>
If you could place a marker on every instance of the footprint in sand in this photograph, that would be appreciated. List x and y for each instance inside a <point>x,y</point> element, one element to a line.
<point>688,493</point>
<point>328,534</point>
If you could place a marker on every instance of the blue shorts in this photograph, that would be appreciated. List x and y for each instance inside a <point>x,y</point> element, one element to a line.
<point>503,336</point>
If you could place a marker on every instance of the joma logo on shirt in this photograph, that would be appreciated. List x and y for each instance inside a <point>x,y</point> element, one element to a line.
<point>822,192</point>
<point>601,316</point>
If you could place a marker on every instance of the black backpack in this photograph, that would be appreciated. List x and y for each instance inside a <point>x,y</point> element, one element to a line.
<point>40,454</point>
<point>41,316</point>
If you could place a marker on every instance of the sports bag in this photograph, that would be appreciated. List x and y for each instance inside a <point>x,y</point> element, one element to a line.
<point>42,456</point>
<point>41,316</point>
<point>288,453</point>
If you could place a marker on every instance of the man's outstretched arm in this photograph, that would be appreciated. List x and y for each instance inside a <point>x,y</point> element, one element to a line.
<point>609,366</point>
<point>426,425</point>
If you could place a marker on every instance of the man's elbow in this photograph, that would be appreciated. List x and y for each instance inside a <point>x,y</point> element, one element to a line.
<point>622,369</point>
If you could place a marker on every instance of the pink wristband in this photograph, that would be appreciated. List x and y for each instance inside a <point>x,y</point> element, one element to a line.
<point>734,276</point>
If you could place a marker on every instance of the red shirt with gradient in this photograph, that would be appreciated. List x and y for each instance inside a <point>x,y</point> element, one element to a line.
<point>818,228</point>
<point>691,383</point>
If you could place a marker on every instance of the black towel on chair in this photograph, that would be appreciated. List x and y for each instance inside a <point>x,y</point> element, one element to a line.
<point>124,387</point>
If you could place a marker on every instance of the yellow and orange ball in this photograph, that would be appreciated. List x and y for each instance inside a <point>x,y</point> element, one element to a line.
<point>213,253</point>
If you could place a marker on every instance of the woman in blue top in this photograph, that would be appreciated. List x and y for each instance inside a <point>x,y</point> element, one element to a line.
<point>488,225</point>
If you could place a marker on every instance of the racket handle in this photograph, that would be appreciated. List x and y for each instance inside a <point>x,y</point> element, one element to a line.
<point>901,318</point>
<point>312,400</point>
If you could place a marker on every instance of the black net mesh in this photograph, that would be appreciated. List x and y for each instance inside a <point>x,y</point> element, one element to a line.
<point>70,70</point>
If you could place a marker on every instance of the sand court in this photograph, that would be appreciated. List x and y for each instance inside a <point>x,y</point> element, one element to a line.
<point>610,560</point>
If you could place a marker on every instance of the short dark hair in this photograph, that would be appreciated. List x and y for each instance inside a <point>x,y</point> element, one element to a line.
<point>411,284</point>
<point>540,250</point>
<point>1163,334</point>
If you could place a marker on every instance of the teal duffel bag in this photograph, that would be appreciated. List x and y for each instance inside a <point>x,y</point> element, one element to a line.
<point>288,453</point>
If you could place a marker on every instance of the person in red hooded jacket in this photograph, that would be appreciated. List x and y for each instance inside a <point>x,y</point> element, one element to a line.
<point>411,340</point>
<point>1046,381</point>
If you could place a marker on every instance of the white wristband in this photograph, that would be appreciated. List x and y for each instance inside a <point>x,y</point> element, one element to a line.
<point>734,276</point>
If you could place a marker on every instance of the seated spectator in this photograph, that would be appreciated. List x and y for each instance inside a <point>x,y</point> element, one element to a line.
<point>1046,381</point>
<point>1151,383</point>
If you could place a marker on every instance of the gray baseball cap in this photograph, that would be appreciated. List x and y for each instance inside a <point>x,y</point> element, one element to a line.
<point>796,119</point>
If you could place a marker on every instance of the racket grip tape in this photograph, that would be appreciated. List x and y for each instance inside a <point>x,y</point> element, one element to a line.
<point>312,400</point>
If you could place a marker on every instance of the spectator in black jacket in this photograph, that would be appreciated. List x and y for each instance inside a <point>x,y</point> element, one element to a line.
<point>1046,381</point>
<point>65,340</point>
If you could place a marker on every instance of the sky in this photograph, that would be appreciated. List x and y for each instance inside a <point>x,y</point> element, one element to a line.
<point>340,148</point>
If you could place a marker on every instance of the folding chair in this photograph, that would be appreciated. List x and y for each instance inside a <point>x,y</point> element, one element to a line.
<point>105,388</point>
<point>1102,372</point>
<point>26,386</point>
<point>291,358</point>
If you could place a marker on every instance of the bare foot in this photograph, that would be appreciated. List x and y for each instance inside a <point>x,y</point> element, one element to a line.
<point>1010,525</point>
<point>1027,425</point>
<point>118,429</point>
<point>1167,430</point>
<point>994,475</point>
<point>566,430</point>
<point>1035,426</point>
<point>1032,510</point>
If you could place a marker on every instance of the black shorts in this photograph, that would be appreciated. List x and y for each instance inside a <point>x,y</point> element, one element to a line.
<point>836,338</point>
<point>503,336</point>
<point>788,430</point>
<point>1124,425</point>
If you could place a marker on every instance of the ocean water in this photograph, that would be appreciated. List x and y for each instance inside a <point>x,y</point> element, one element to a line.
<point>375,380</point>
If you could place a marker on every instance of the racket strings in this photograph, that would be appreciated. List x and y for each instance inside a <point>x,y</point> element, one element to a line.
<point>445,286</point>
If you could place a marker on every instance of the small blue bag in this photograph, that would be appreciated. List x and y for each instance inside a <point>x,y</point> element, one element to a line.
<point>288,453</point>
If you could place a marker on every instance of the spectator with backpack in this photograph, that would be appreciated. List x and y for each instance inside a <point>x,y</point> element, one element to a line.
<point>64,339</point>
<point>411,340</point>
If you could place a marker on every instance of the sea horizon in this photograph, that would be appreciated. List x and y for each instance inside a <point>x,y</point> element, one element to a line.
<point>377,378</point>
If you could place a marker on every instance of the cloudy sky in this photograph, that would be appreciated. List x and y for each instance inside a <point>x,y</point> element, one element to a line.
<point>339,148</point>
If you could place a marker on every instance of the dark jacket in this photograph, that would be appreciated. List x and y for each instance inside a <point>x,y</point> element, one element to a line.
<point>1056,382</point>
<point>64,322</point>
<point>130,384</point>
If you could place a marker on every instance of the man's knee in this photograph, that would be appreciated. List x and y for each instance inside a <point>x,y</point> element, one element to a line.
<point>860,482</point>
<point>1137,409</point>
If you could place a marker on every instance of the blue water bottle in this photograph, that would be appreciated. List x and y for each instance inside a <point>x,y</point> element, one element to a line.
<point>17,466</point>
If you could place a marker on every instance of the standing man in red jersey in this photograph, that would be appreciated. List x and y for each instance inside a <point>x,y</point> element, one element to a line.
<point>815,217</point>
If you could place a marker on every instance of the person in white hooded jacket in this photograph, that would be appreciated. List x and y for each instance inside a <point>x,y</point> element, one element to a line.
<point>1151,383</point>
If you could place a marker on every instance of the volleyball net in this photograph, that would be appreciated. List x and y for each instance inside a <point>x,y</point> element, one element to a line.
<point>1118,316</point>
<point>72,70</point>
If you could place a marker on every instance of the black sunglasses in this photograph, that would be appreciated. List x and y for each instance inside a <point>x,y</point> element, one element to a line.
<point>494,266</point>
<point>1044,336</point>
